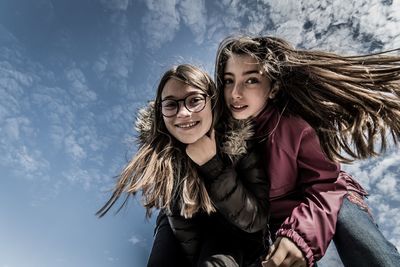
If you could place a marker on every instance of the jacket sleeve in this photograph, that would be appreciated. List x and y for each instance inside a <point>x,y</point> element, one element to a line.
<point>166,250</point>
<point>312,224</point>
<point>187,232</point>
<point>239,193</point>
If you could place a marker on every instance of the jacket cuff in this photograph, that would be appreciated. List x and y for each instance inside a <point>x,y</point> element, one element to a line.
<point>212,169</point>
<point>299,241</point>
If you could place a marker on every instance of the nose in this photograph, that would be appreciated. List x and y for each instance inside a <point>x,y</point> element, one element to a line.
<point>182,111</point>
<point>237,91</point>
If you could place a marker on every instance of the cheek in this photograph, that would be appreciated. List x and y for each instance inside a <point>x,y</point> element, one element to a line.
<point>263,94</point>
<point>208,117</point>
<point>167,123</point>
<point>226,95</point>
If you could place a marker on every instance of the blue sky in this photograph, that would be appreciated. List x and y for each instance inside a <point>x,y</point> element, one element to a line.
<point>72,77</point>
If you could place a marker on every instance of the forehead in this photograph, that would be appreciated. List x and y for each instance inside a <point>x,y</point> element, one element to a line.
<point>241,63</point>
<point>177,89</point>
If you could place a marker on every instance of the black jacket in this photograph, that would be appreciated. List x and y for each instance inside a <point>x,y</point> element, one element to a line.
<point>239,191</point>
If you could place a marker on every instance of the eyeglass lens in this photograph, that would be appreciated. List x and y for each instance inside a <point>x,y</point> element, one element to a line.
<point>193,103</point>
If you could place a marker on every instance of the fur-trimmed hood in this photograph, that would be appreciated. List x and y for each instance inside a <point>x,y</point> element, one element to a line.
<point>233,143</point>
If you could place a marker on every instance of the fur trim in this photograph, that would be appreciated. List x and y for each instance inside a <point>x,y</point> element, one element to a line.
<point>234,142</point>
<point>144,123</point>
<point>238,132</point>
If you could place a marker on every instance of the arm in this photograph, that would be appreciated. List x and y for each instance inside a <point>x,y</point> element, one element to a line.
<point>187,232</point>
<point>240,193</point>
<point>312,224</point>
<point>166,250</point>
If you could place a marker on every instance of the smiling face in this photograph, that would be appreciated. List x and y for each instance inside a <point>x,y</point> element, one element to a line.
<point>246,87</point>
<point>187,127</point>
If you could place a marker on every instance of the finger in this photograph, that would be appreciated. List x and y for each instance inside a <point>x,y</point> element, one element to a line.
<point>268,263</point>
<point>270,251</point>
<point>288,261</point>
<point>299,263</point>
<point>273,248</point>
<point>277,258</point>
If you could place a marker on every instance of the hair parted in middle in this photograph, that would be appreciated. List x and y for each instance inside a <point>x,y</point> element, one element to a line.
<point>350,101</point>
<point>161,169</point>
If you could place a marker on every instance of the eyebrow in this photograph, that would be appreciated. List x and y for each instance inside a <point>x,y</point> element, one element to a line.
<point>188,94</point>
<point>245,73</point>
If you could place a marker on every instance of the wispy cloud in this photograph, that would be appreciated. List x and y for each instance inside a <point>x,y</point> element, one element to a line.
<point>78,88</point>
<point>194,15</point>
<point>134,240</point>
<point>48,117</point>
<point>117,5</point>
<point>160,22</point>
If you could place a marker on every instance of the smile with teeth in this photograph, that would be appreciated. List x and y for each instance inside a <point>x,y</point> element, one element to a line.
<point>238,106</point>
<point>187,125</point>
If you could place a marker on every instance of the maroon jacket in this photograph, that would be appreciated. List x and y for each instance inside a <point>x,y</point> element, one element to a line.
<point>307,189</point>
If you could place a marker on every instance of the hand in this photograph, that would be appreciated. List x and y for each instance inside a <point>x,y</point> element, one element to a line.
<point>203,149</point>
<point>284,253</point>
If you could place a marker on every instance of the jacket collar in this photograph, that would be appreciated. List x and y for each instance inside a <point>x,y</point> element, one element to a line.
<point>264,120</point>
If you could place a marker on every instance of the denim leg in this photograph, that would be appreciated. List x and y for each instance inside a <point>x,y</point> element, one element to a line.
<point>359,241</point>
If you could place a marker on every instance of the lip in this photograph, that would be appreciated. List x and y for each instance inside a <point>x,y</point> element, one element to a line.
<point>237,107</point>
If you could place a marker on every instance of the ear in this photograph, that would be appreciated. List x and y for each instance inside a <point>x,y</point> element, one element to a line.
<point>274,90</point>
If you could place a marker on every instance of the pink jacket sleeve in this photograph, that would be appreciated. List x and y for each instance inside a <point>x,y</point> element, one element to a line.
<point>311,225</point>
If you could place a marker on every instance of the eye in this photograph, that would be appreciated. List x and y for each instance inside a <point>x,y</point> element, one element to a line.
<point>195,100</point>
<point>169,104</point>
<point>252,80</point>
<point>227,81</point>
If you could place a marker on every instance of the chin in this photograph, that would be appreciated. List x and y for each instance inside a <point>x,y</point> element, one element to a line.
<point>188,140</point>
<point>240,116</point>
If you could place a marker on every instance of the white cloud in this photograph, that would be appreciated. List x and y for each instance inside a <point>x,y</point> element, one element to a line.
<point>121,62</point>
<point>134,240</point>
<point>87,177</point>
<point>388,184</point>
<point>381,21</point>
<point>160,22</point>
<point>24,162</point>
<point>74,149</point>
<point>78,86</point>
<point>100,65</point>
<point>194,15</point>
<point>341,26</point>
<point>13,127</point>
<point>47,118</point>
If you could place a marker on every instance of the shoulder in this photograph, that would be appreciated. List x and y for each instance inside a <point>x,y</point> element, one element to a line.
<point>290,131</point>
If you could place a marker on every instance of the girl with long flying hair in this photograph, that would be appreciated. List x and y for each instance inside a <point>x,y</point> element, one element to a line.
<point>311,111</point>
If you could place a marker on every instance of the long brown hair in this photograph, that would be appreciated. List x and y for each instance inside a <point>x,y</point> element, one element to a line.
<point>350,101</point>
<point>161,169</point>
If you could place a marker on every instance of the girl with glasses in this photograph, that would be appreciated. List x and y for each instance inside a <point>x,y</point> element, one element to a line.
<point>214,210</point>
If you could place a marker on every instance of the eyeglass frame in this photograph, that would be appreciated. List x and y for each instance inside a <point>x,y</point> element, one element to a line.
<point>184,104</point>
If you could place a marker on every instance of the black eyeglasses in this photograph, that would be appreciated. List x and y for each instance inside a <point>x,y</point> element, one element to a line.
<point>194,103</point>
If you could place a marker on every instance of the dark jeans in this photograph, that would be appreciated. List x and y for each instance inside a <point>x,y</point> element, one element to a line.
<point>358,240</point>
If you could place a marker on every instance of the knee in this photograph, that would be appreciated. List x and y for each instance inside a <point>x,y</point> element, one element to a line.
<point>219,260</point>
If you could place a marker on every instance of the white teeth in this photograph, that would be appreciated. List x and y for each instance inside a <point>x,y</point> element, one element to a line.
<point>187,125</point>
<point>238,106</point>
